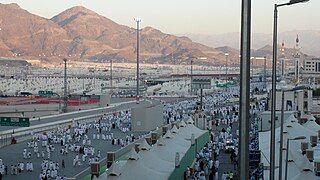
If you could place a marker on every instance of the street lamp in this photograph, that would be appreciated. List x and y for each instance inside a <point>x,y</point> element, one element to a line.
<point>244,128</point>
<point>191,73</point>
<point>273,94</point>
<point>65,94</point>
<point>226,54</point>
<point>287,153</point>
<point>111,77</point>
<point>137,20</point>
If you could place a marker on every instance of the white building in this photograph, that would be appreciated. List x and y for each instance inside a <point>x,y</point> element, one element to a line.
<point>297,99</point>
<point>312,66</point>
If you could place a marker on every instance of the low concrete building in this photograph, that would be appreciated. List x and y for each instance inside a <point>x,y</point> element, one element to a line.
<point>147,118</point>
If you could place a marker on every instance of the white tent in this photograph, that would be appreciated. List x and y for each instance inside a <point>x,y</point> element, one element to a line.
<point>312,125</point>
<point>144,145</point>
<point>174,129</point>
<point>190,120</point>
<point>168,135</point>
<point>299,162</point>
<point>161,142</point>
<point>115,169</point>
<point>182,123</point>
<point>133,155</point>
<point>159,162</point>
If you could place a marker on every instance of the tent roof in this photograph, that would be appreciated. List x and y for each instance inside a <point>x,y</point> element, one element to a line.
<point>174,129</point>
<point>144,145</point>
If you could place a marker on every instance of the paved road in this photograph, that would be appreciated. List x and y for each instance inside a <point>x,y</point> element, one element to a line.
<point>224,158</point>
<point>12,155</point>
<point>82,114</point>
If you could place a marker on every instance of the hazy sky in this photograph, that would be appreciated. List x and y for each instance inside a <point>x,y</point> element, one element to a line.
<point>188,16</point>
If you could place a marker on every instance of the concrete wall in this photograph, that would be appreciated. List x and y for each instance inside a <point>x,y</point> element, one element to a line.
<point>147,119</point>
<point>105,100</point>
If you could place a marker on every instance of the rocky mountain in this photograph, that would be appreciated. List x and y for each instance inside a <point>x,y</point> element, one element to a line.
<point>309,40</point>
<point>28,35</point>
<point>81,34</point>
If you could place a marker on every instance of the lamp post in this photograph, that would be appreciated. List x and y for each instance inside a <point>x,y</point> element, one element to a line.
<point>287,153</point>
<point>137,20</point>
<point>281,134</point>
<point>243,166</point>
<point>191,73</point>
<point>265,74</point>
<point>274,76</point>
<point>226,54</point>
<point>111,88</point>
<point>65,94</point>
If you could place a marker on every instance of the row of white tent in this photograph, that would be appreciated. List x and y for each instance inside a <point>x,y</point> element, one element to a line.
<point>299,166</point>
<point>158,161</point>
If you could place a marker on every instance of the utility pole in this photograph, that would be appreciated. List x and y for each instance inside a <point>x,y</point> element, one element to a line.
<point>226,54</point>
<point>273,95</point>
<point>138,20</point>
<point>65,94</point>
<point>191,73</point>
<point>265,73</point>
<point>111,88</point>
<point>243,166</point>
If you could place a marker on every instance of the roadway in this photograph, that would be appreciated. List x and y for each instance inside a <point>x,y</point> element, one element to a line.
<point>73,115</point>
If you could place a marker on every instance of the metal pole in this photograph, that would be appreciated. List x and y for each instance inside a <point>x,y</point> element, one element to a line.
<point>265,73</point>
<point>281,135</point>
<point>273,97</point>
<point>226,65</point>
<point>111,76</point>
<point>201,95</point>
<point>243,166</point>
<point>191,63</point>
<point>287,155</point>
<point>137,97</point>
<point>65,95</point>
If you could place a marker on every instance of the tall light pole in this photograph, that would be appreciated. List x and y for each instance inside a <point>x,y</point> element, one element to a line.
<point>191,73</point>
<point>273,93</point>
<point>287,154</point>
<point>265,73</point>
<point>65,94</point>
<point>226,54</point>
<point>138,20</point>
<point>243,166</point>
<point>111,77</point>
<point>281,134</point>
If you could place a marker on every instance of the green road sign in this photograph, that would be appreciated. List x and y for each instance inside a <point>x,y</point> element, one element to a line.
<point>15,121</point>
<point>45,93</point>
<point>200,82</point>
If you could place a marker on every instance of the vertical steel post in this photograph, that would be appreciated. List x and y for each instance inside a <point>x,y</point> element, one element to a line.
<point>111,78</point>
<point>65,94</point>
<point>137,95</point>
<point>287,157</point>
<point>226,66</point>
<point>281,135</point>
<point>201,96</point>
<point>265,73</point>
<point>191,73</point>
<point>243,166</point>
<point>273,96</point>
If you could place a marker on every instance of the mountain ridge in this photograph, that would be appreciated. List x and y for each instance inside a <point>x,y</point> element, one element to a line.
<point>82,34</point>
